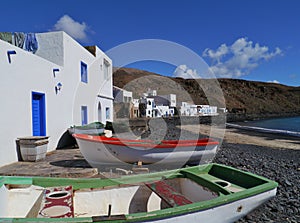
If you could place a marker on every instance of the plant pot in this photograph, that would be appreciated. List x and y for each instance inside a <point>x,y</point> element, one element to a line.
<point>33,148</point>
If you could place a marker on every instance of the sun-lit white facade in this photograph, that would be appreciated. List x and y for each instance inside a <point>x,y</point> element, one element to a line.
<point>43,93</point>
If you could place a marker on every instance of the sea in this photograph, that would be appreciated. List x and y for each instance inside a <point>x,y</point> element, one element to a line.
<point>287,124</point>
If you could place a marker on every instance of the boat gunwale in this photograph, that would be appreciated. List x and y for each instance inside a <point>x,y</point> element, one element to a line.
<point>164,144</point>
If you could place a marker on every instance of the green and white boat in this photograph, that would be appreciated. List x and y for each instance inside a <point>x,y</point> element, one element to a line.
<point>208,193</point>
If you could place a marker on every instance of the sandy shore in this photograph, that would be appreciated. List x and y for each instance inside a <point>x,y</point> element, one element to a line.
<point>238,136</point>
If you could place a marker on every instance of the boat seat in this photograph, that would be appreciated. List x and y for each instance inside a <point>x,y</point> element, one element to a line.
<point>168,194</point>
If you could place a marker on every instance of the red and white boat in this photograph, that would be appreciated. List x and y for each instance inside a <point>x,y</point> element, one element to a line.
<point>101,151</point>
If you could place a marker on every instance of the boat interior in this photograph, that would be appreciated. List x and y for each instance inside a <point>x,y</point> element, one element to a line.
<point>55,198</point>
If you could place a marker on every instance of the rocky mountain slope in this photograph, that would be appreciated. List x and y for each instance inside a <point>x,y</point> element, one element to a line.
<point>247,98</point>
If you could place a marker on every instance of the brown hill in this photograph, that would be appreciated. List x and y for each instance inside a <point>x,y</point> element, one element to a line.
<point>251,98</point>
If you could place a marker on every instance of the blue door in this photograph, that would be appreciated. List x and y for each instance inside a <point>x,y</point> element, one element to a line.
<point>38,114</point>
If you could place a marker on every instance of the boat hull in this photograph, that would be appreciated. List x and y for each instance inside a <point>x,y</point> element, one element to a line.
<point>228,213</point>
<point>101,153</point>
<point>209,193</point>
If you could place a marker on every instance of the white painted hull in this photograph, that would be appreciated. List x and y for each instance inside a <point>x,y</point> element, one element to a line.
<point>227,213</point>
<point>99,154</point>
<point>210,193</point>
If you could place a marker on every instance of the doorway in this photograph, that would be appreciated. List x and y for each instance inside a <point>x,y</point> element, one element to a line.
<point>38,114</point>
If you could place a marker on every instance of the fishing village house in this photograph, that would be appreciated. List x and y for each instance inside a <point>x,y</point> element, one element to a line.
<point>189,109</point>
<point>49,83</point>
<point>121,95</point>
<point>122,102</point>
<point>149,105</point>
<point>165,105</point>
<point>153,106</point>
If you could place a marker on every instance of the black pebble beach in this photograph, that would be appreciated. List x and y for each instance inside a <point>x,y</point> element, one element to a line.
<point>280,165</point>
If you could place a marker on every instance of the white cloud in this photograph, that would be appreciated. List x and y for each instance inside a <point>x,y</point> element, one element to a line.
<point>238,59</point>
<point>185,72</point>
<point>216,55</point>
<point>75,29</point>
<point>274,81</point>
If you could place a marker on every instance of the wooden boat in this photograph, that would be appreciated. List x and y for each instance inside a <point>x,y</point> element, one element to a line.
<point>101,151</point>
<point>210,193</point>
<point>94,128</point>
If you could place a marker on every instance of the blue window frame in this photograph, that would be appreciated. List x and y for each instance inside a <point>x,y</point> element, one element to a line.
<point>84,72</point>
<point>107,110</point>
<point>84,115</point>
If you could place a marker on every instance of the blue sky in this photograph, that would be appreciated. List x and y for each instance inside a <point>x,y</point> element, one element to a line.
<point>248,39</point>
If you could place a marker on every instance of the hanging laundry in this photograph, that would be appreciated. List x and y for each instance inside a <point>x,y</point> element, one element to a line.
<point>6,36</point>
<point>18,39</point>
<point>31,43</point>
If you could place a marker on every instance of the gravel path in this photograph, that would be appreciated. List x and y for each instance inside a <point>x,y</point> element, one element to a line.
<point>281,165</point>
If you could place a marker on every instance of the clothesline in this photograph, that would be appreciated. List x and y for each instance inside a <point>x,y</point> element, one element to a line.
<point>26,41</point>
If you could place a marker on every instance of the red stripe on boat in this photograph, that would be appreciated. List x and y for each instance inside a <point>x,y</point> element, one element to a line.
<point>146,143</point>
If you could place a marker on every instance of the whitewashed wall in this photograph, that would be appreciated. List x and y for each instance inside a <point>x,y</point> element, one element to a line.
<point>29,72</point>
<point>187,109</point>
<point>149,107</point>
<point>163,110</point>
<point>121,95</point>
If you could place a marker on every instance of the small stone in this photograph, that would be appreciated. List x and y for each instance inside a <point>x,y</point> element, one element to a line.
<point>288,183</point>
<point>248,217</point>
<point>280,208</point>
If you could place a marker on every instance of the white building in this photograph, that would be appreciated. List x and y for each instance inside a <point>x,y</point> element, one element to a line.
<point>207,110</point>
<point>164,105</point>
<point>121,95</point>
<point>43,93</point>
<point>166,100</point>
<point>163,111</point>
<point>134,110</point>
<point>151,92</point>
<point>148,109</point>
<point>171,98</point>
<point>154,105</point>
<point>223,110</point>
<point>187,109</point>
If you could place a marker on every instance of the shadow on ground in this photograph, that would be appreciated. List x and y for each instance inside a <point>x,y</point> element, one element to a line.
<point>78,163</point>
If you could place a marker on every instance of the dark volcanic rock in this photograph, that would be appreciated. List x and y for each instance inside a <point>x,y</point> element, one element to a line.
<point>281,165</point>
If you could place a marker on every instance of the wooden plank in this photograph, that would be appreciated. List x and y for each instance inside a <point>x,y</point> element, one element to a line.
<point>168,193</point>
